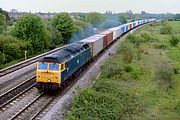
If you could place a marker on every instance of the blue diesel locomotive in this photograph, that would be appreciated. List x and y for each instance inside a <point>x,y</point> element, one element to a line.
<point>56,68</point>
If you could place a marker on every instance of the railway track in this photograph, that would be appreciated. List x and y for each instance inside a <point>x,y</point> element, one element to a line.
<point>15,92</point>
<point>25,63</point>
<point>31,110</point>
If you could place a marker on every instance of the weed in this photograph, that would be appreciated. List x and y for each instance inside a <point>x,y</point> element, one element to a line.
<point>146,37</point>
<point>164,74</point>
<point>174,40</point>
<point>132,38</point>
<point>160,46</point>
<point>127,53</point>
<point>166,28</point>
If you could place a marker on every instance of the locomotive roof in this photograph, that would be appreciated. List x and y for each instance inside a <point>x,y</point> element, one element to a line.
<point>63,54</point>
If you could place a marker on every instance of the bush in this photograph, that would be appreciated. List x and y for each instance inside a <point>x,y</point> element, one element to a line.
<point>134,39</point>
<point>174,41</point>
<point>2,58</point>
<point>107,101</point>
<point>166,29</point>
<point>110,70</point>
<point>12,52</point>
<point>12,48</point>
<point>126,51</point>
<point>146,37</point>
<point>159,46</point>
<point>164,74</point>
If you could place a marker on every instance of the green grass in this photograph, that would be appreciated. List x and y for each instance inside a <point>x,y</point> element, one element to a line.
<point>176,26</point>
<point>141,84</point>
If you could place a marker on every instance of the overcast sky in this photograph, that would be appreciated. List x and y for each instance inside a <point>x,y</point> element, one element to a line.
<point>151,6</point>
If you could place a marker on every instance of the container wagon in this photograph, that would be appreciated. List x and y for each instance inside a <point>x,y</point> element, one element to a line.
<point>95,43</point>
<point>117,32</point>
<point>108,37</point>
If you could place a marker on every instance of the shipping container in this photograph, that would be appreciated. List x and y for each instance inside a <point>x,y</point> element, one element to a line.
<point>139,23</point>
<point>134,24</point>
<point>123,29</point>
<point>116,32</point>
<point>127,27</point>
<point>108,37</point>
<point>96,44</point>
<point>130,26</point>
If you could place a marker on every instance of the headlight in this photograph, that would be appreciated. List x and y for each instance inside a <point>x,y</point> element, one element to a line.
<point>49,80</point>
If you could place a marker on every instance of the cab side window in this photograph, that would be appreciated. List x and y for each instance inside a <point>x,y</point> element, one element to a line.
<point>62,66</point>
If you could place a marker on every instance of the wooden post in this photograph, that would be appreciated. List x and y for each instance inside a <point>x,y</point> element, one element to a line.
<point>25,55</point>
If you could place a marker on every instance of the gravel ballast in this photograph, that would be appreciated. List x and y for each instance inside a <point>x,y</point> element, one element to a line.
<point>13,79</point>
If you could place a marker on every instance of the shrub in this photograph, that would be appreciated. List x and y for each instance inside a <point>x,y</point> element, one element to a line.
<point>107,101</point>
<point>112,69</point>
<point>146,37</point>
<point>159,46</point>
<point>166,29</point>
<point>164,74</point>
<point>12,52</point>
<point>134,39</point>
<point>13,49</point>
<point>136,72</point>
<point>139,52</point>
<point>174,40</point>
<point>2,58</point>
<point>126,51</point>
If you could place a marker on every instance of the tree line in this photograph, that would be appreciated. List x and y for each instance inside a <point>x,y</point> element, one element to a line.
<point>33,34</point>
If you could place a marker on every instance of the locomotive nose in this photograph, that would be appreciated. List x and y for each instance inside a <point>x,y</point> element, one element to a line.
<point>49,77</point>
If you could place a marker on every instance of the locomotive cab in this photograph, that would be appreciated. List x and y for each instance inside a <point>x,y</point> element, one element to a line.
<point>49,72</point>
<point>48,75</point>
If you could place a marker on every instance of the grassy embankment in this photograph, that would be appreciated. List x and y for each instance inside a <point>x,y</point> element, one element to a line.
<point>142,81</point>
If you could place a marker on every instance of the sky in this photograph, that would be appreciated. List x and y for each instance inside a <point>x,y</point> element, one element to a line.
<point>150,6</point>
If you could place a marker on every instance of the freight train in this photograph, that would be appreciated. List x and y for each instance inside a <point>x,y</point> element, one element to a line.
<point>55,69</point>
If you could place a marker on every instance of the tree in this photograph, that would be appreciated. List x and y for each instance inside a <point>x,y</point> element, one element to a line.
<point>177,17</point>
<point>55,35</point>
<point>2,22</point>
<point>94,18</point>
<point>123,18</point>
<point>64,24</point>
<point>5,13</point>
<point>11,48</point>
<point>31,28</point>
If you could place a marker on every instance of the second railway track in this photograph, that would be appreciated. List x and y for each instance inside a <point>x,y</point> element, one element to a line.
<point>15,92</point>
<point>25,63</point>
<point>30,111</point>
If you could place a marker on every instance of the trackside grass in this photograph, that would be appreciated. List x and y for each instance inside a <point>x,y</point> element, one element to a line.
<point>141,82</point>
